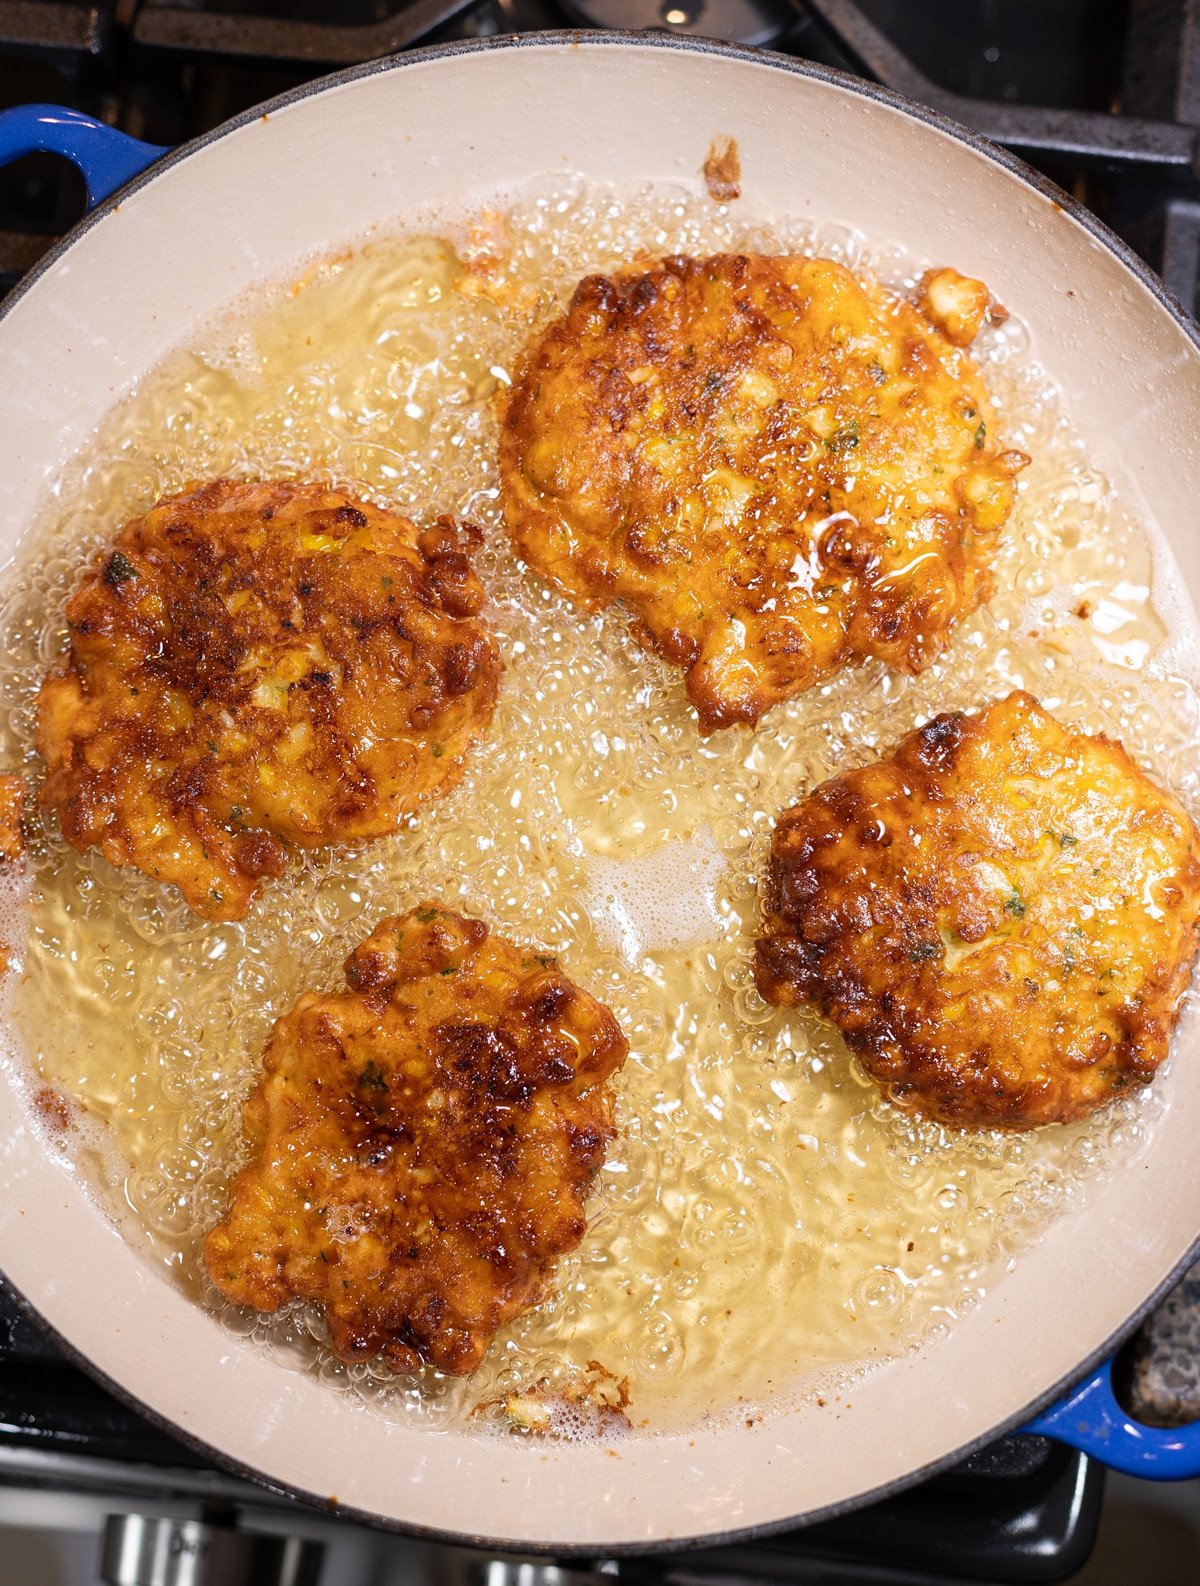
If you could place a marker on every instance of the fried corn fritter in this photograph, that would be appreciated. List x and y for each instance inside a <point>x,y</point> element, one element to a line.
<point>781,467</point>
<point>421,1144</point>
<point>1001,918</point>
<point>257,663</point>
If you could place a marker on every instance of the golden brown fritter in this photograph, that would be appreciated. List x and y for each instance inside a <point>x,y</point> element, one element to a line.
<point>422,1144</point>
<point>1001,918</point>
<point>255,662</point>
<point>781,467</point>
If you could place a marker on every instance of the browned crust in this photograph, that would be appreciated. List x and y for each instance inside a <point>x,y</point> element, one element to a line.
<point>422,1143</point>
<point>1001,917</point>
<point>256,664</point>
<point>781,468</point>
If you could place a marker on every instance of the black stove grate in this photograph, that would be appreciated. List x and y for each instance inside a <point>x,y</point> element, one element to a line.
<point>1103,95</point>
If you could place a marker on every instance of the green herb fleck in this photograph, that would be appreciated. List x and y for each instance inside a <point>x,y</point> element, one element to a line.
<point>1015,905</point>
<point>547,960</point>
<point>922,951</point>
<point>372,1078</point>
<point>386,580</point>
<point>119,570</point>
<point>236,813</point>
<point>980,435</point>
<point>439,750</point>
<point>425,915</point>
<point>1031,986</point>
<point>844,440</point>
<point>450,969</point>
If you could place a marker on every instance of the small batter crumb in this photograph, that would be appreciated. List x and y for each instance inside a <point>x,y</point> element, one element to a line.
<point>723,170</point>
<point>13,797</point>
<point>54,1110</point>
<point>583,1408</point>
<point>958,305</point>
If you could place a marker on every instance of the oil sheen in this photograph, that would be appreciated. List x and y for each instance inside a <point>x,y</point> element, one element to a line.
<point>766,1221</point>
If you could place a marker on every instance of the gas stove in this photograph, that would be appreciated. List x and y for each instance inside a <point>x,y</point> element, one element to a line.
<point>1043,78</point>
<point>1104,96</point>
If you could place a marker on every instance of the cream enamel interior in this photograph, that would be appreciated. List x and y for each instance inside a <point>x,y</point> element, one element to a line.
<point>254,204</point>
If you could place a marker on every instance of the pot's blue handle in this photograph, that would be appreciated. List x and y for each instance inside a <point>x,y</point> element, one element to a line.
<point>1091,1419</point>
<point>107,158</point>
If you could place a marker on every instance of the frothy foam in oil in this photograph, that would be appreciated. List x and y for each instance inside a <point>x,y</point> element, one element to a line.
<point>766,1218</point>
<point>651,902</point>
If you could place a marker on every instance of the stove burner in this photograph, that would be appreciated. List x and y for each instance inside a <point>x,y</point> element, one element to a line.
<point>1021,51</point>
<point>760,22</point>
<point>1138,169</point>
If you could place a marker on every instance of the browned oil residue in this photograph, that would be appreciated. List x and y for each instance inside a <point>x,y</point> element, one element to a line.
<point>581,1409</point>
<point>53,1110</point>
<point>723,170</point>
<point>13,795</point>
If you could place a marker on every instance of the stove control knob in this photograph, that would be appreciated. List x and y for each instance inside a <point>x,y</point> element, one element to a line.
<point>140,1550</point>
<point>455,1566</point>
